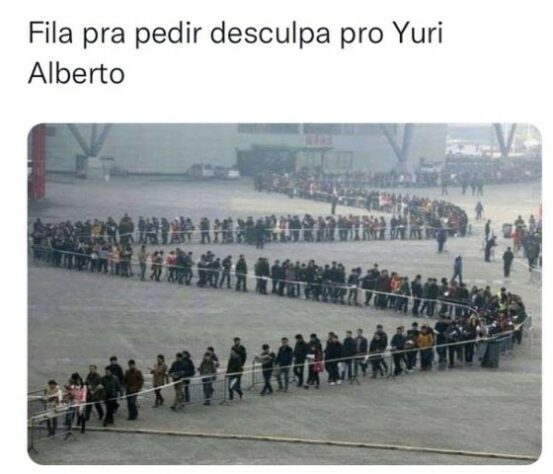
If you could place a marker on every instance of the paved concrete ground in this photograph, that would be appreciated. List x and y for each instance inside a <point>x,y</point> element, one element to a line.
<point>81,318</point>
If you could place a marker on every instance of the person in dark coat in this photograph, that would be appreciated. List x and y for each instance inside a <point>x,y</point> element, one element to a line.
<point>95,393</point>
<point>111,386</point>
<point>383,340</point>
<point>134,381</point>
<point>235,367</point>
<point>267,361</point>
<point>300,354</point>
<point>361,348</point>
<point>433,293</point>
<point>275,276</point>
<point>398,346</point>
<point>458,269</point>
<point>334,203</point>
<point>117,371</point>
<point>332,352</point>
<point>411,346</point>
<point>440,330</point>
<point>490,244</point>
<point>508,257</point>
<point>241,274</point>
<point>375,355</point>
<point>441,238</point>
<point>226,264</point>
<point>189,370</point>
<point>368,282</point>
<point>240,350</point>
<point>417,292</point>
<point>453,335</point>
<point>348,353</point>
<point>284,359</point>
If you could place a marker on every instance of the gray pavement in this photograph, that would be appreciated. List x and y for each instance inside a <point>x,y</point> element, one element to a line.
<point>77,318</point>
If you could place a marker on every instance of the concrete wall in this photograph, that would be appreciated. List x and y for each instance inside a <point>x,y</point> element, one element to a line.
<point>159,148</point>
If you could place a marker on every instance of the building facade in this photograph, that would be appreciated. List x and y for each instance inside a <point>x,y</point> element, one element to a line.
<point>172,149</point>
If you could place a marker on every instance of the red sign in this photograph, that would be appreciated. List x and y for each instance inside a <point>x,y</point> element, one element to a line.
<point>316,140</point>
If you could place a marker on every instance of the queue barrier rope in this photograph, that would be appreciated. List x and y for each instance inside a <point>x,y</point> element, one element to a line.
<point>200,379</point>
<point>63,415</point>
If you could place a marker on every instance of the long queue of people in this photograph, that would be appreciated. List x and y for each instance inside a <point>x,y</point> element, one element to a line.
<point>83,236</point>
<point>457,171</point>
<point>333,188</point>
<point>451,342</point>
<point>315,281</point>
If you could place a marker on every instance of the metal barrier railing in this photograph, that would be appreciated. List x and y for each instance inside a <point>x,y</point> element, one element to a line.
<point>221,388</point>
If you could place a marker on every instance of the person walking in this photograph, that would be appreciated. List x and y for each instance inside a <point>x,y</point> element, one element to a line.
<point>240,350</point>
<point>487,229</point>
<point>267,361</point>
<point>479,209</point>
<point>235,367</point>
<point>134,381</point>
<point>508,257</point>
<point>458,269</point>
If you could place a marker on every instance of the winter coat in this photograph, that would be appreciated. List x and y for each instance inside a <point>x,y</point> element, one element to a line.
<point>134,380</point>
<point>285,356</point>
<point>159,373</point>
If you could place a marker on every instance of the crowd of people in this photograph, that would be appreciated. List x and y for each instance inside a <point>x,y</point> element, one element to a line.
<point>326,282</point>
<point>464,315</point>
<point>527,238</point>
<point>465,173</point>
<point>452,340</point>
<point>98,236</point>
<point>471,171</point>
<point>340,189</point>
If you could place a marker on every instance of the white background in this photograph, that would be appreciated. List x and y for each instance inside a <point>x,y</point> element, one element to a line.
<point>493,66</point>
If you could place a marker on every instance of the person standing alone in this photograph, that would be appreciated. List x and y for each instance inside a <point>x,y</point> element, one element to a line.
<point>508,257</point>
<point>458,269</point>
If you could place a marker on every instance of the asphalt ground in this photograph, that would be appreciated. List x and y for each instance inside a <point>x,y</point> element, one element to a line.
<point>78,318</point>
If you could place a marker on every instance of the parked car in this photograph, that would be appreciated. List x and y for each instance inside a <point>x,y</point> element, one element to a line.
<point>226,173</point>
